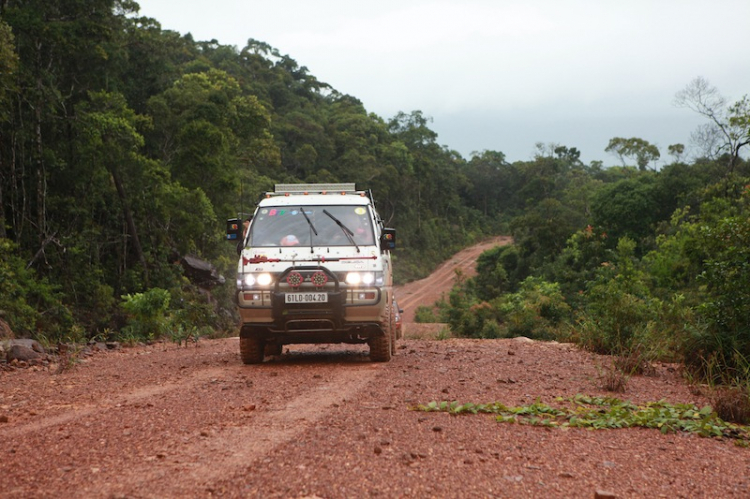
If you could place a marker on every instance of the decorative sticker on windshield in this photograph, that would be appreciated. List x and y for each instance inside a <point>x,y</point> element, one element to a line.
<point>360,211</point>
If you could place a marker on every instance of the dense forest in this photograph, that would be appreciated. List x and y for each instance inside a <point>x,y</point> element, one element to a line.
<point>124,148</point>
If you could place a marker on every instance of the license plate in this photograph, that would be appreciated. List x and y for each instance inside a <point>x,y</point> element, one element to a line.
<point>306,297</point>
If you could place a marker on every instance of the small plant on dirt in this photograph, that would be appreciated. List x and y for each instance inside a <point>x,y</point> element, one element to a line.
<point>731,403</point>
<point>729,389</point>
<point>68,355</point>
<point>76,334</point>
<point>694,383</point>
<point>635,361</point>
<point>185,334</point>
<point>613,379</point>
<point>599,413</point>
<point>129,338</point>
<point>444,333</point>
<point>425,314</point>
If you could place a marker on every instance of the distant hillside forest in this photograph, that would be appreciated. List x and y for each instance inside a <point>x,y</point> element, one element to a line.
<point>125,147</point>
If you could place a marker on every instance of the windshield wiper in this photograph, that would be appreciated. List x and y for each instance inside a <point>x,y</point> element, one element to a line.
<point>312,227</point>
<point>347,231</point>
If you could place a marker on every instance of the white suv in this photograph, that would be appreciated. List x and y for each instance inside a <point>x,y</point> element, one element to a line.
<point>315,267</point>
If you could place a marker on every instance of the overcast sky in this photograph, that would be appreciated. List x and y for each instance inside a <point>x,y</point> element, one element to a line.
<point>501,75</point>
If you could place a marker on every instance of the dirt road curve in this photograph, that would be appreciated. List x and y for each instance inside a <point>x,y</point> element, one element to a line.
<point>430,289</point>
<point>163,421</point>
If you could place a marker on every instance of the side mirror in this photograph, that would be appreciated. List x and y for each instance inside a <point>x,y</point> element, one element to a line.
<point>234,229</point>
<point>388,240</point>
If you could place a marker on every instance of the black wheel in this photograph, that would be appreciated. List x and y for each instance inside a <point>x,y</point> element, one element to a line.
<point>393,341</point>
<point>392,330</point>
<point>380,347</point>
<point>251,347</point>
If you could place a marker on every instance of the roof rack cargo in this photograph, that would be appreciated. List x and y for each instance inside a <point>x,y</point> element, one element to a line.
<point>314,188</point>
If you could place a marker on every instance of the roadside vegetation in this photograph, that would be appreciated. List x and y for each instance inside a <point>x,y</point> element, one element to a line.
<point>675,290</point>
<point>125,147</point>
<point>605,413</point>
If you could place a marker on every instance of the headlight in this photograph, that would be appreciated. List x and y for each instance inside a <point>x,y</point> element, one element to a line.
<point>257,279</point>
<point>264,279</point>
<point>353,278</point>
<point>364,278</point>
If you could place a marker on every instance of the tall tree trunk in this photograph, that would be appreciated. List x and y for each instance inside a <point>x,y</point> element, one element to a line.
<point>40,172</point>
<point>129,221</point>
<point>3,233</point>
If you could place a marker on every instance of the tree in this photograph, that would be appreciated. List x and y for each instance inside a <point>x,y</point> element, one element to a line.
<point>542,231</point>
<point>676,151</point>
<point>8,68</point>
<point>571,155</point>
<point>110,138</point>
<point>641,150</point>
<point>488,172</point>
<point>64,49</point>
<point>208,133</point>
<point>627,208</point>
<point>151,61</point>
<point>728,130</point>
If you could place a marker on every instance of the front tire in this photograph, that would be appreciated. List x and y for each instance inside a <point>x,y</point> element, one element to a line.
<point>393,341</point>
<point>251,347</point>
<point>380,347</point>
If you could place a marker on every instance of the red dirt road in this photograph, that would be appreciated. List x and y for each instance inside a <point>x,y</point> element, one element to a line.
<point>164,421</point>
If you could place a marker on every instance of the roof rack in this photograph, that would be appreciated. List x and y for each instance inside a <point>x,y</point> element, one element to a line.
<point>314,188</point>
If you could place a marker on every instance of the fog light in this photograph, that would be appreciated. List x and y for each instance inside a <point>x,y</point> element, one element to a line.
<point>294,279</point>
<point>319,279</point>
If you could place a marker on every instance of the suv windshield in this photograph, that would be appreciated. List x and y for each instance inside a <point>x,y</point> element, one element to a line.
<point>289,226</point>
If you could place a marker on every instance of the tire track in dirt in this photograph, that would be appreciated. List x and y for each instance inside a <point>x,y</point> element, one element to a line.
<point>80,411</point>
<point>234,449</point>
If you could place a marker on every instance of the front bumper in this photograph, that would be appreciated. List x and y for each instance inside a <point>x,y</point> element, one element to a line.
<point>347,310</point>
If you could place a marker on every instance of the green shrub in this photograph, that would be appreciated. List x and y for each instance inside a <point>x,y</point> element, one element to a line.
<point>537,311</point>
<point>719,342</point>
<point>147,314</point>
<point>577,264</point>
<point>498,270</point>
<point>619,310</point>
<point>492,329</point>
<point>192,313</point>
<point>30,304</point>
<point>614,321</point>
<point>425,314</point>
